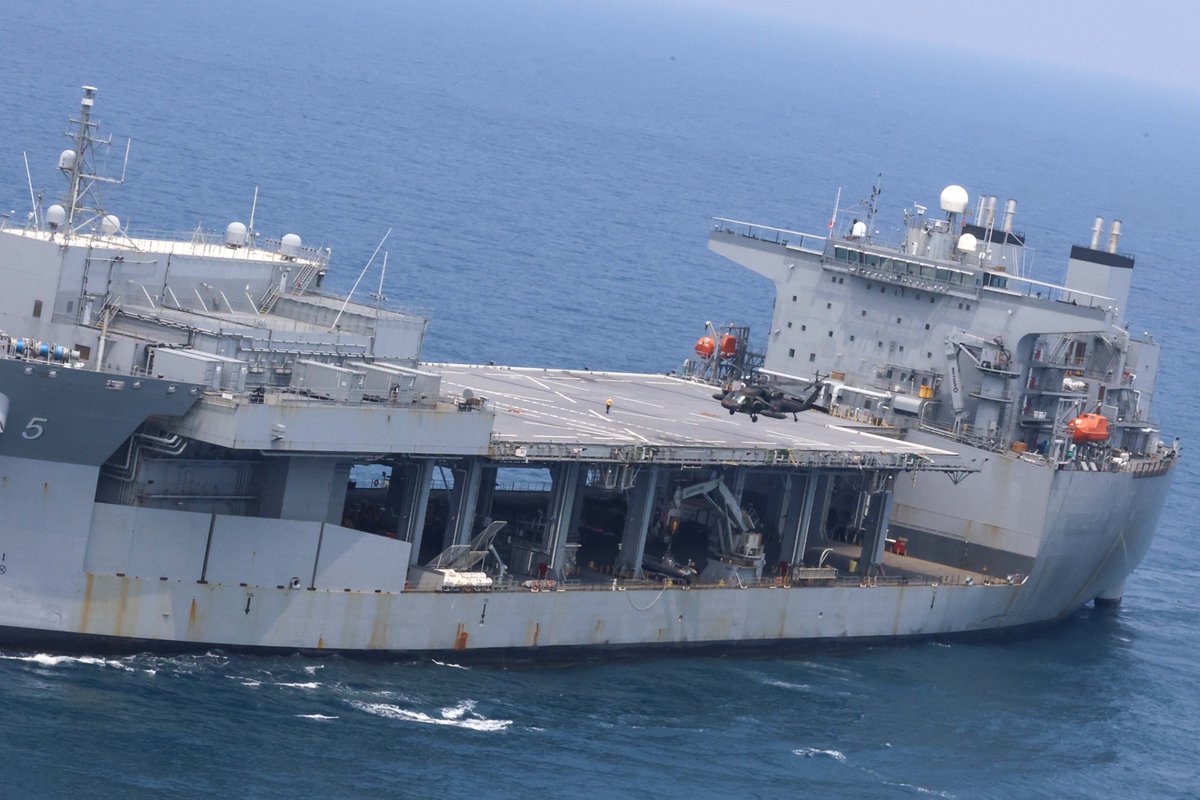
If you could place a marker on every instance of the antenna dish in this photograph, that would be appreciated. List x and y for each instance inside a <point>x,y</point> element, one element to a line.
<point>66,160</point>
<point>56,216</point>
<point>858,229</point>
<point>468,394</point>
<point>289,246</point>
<point>967,243</point>
<point>111,224</point>
<point>235,234</point>
<point>954,199</point>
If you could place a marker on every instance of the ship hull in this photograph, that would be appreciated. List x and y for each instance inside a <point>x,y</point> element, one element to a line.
<point>52,593</point>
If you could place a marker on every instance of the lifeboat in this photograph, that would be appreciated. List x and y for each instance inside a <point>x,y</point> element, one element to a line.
<point>1089,428</point>
<point>728,346</point>
<point>705,347</point>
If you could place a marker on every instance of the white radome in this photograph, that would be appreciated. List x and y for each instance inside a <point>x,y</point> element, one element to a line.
<point>954,199</point>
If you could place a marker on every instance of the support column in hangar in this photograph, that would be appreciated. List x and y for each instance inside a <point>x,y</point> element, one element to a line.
<point>801,492</point>
<point>638,512</point>
<point>824,500</point>
<point>399,484</point>
<point>460,522</point>
<point>563,497</point>
<point>875,521</point>
<point>411,525</point>
<point>487,493</point>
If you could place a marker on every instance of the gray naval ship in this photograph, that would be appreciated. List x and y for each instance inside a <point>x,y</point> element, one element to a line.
<point>200,446</point>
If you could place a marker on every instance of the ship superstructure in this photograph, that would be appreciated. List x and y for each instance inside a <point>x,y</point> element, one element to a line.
<point>943,337</point>
<point>200,446</point>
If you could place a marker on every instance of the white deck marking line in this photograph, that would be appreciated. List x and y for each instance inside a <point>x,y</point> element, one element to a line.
<point>539,383</point>
<point>711,418</point>
<point>540,424</point>
<point>639,402</point>
<point>632,432</point>
<point>616,437</point>
<point>568,399</point>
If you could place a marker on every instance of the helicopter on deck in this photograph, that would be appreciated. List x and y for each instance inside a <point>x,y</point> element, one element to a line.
<point>766,401</point>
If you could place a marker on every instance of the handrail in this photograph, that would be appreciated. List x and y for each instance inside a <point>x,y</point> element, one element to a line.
<point>751,227</point>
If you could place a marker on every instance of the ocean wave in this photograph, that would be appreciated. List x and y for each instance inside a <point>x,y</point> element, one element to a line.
<point>797,687</point>
<point>447,664</point>
<point>919,789</point>
<point>455,716</point>
<point>312,670</point>
<point>321,717</point>
<point>306,685</point>
<point>47,660</point>
<point>813,752</point>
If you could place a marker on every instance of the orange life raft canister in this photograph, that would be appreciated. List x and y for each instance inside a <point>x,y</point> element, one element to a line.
<point>1089,428</point>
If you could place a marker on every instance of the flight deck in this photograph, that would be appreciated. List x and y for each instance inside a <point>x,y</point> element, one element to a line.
<point>541,412</point>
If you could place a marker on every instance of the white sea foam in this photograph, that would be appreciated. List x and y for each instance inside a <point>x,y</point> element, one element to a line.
<point>322,717</point>
<point>796,687</point>
<point>813,752</point>
<point>313,669</point>
<point>47,660</point>
<point>308,685</point>
<point>455,716</point>
<point>447,664</point>
<point>919,789</point>
<point>458,711</point>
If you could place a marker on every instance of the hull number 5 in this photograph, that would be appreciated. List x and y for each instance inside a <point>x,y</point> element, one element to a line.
<point>34,429</point>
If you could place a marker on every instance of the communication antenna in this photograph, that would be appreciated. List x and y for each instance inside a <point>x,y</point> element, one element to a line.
<point>836,201</point>
<point>872,204</point>
<point>253,208</point>
<point>359,280</point>
<point>32,199</point>
<point>77,165</point>
<point>378,296</point>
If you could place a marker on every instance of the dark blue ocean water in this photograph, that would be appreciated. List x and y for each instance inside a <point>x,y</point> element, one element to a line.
<point>549,170</point>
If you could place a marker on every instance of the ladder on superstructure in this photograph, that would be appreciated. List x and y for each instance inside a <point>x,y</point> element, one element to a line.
<point>268,301</point>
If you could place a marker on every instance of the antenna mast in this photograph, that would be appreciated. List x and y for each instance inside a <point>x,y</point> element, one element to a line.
<point>378,296</point>
<point>76,163</point>
<point>873,205</point>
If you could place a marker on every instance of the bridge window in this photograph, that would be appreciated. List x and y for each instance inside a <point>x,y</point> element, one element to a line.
<point>791,352</point>
<point>812,356</point>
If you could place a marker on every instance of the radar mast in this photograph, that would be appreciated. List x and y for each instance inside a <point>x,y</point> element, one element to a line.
<point>78,165</point>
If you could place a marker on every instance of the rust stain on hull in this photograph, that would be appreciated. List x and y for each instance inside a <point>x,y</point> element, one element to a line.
<point>193,626</point>
<point>460,638</point>
<point>122,606</point>
<point>86,612</point>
